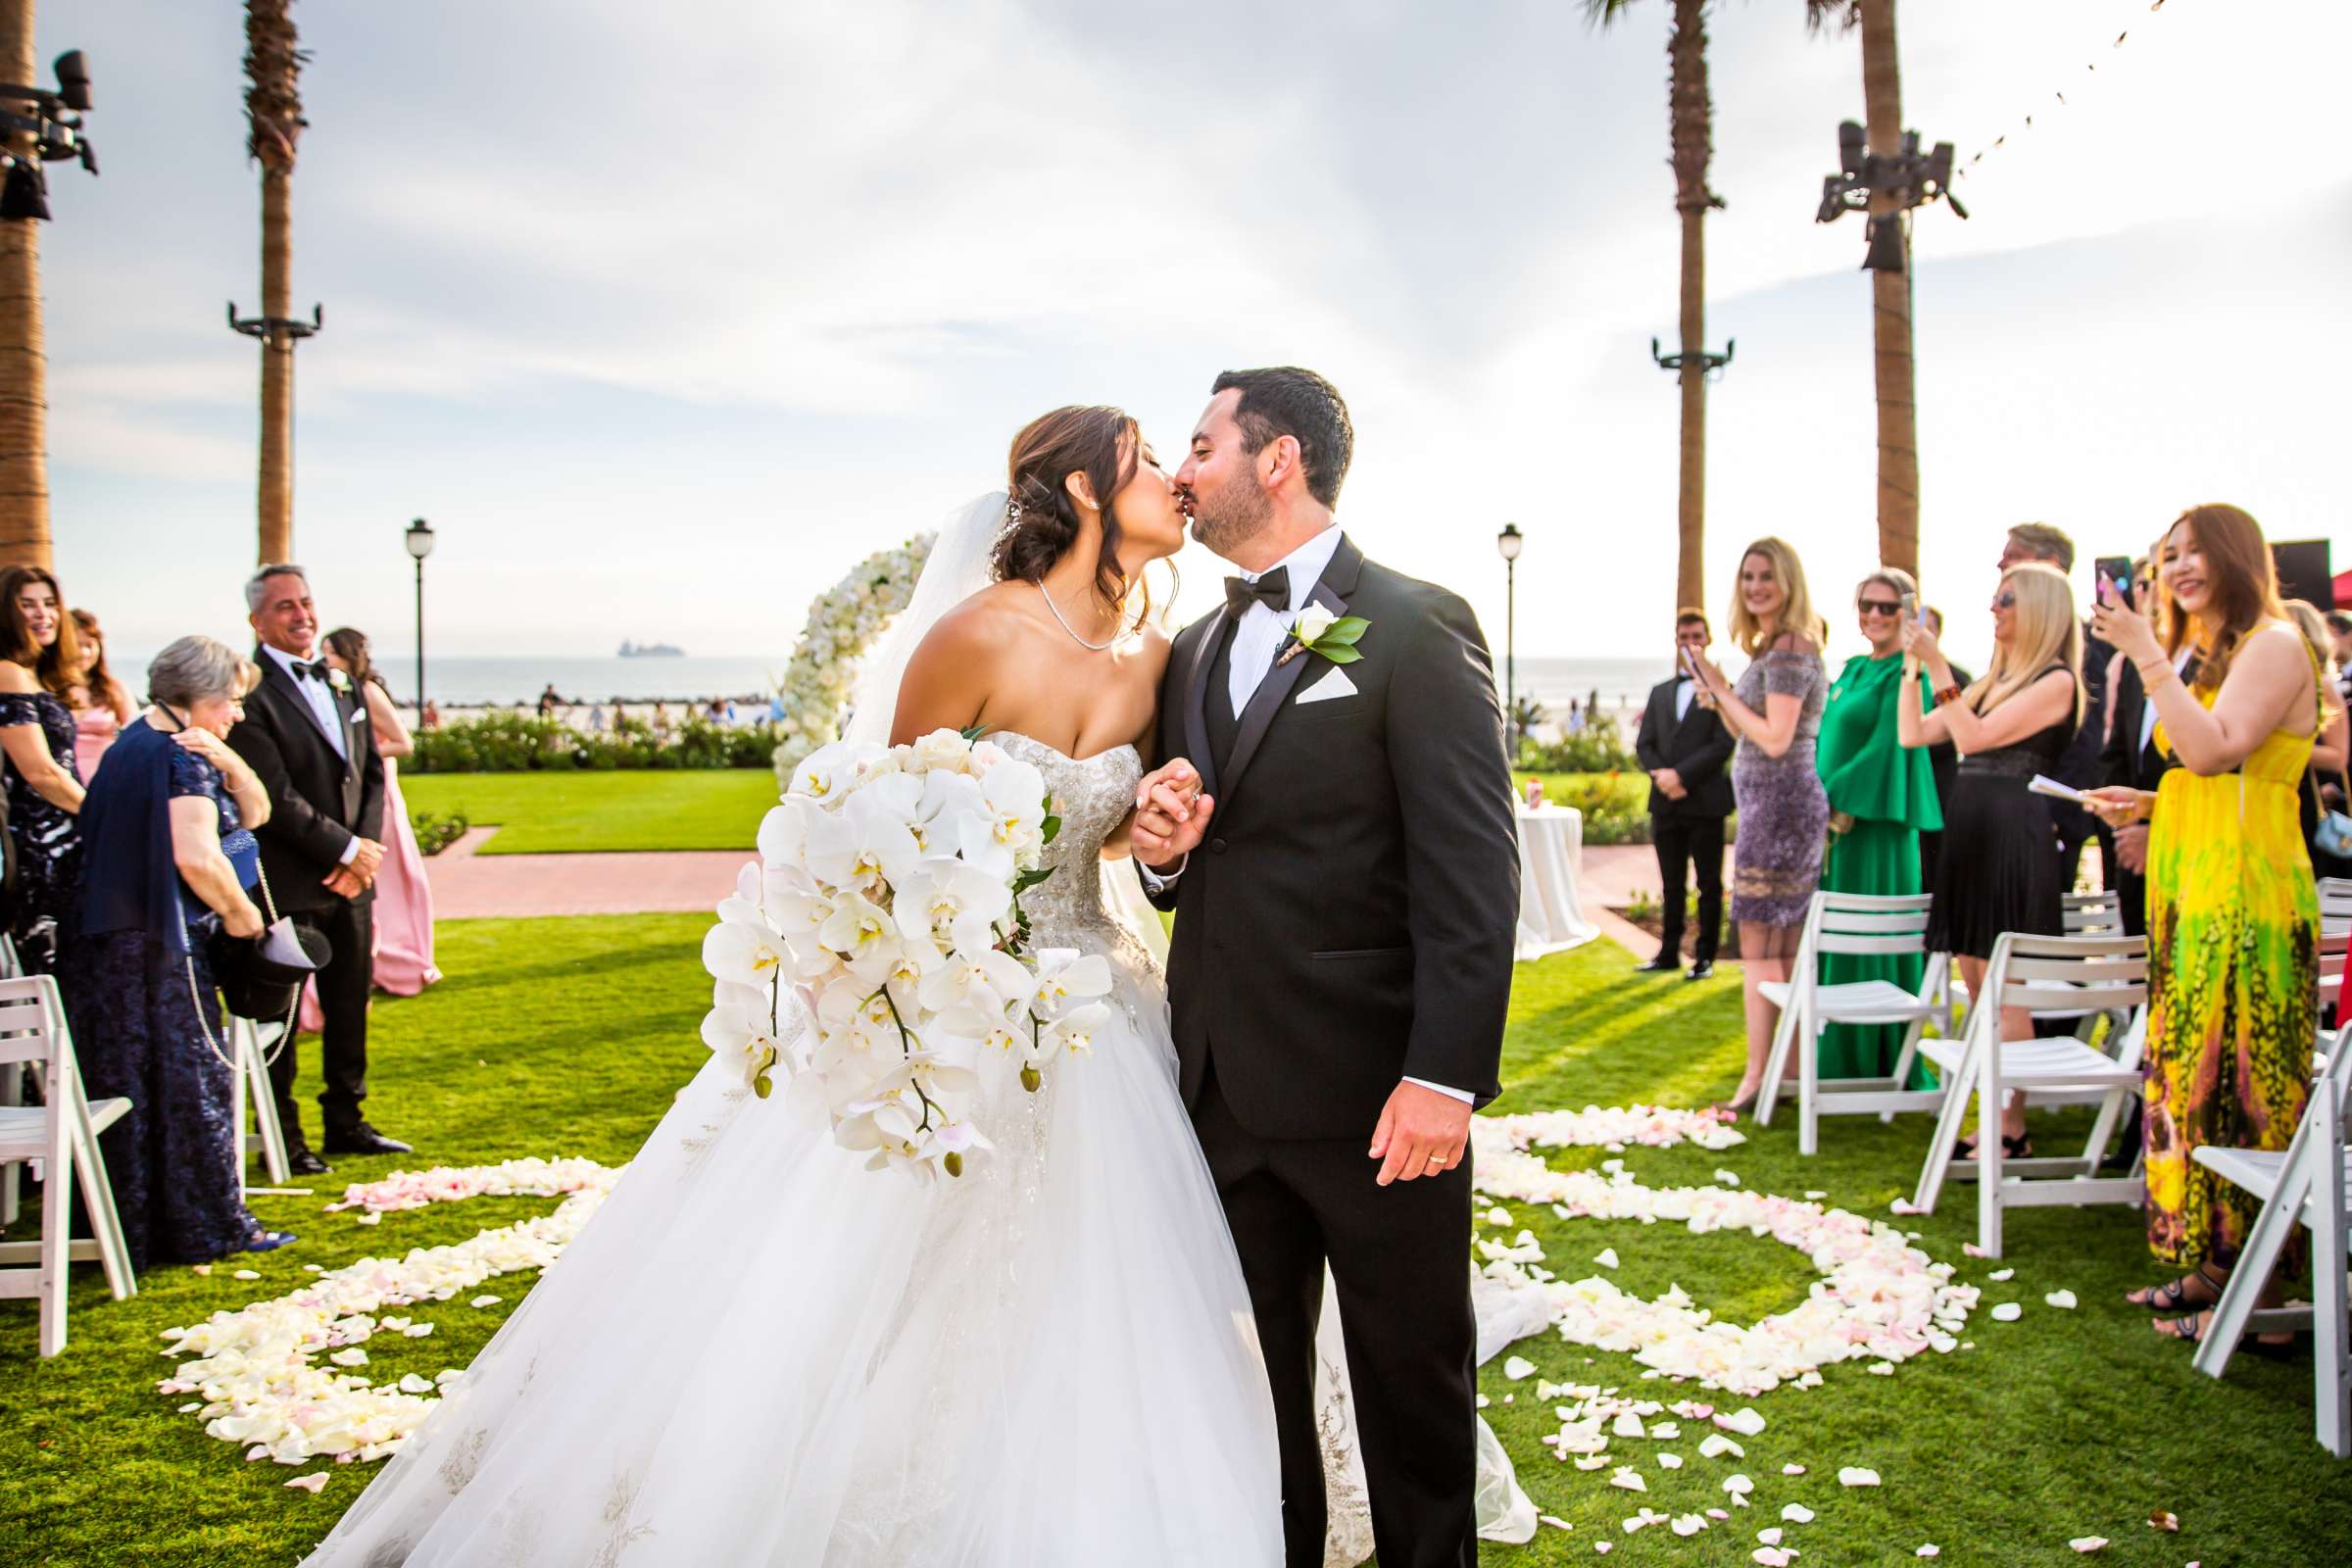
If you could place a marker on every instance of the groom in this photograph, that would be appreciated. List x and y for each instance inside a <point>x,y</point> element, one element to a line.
<point>1336,838</point>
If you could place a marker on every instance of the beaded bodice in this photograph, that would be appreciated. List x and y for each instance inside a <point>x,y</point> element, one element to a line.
<point>1092,796</point>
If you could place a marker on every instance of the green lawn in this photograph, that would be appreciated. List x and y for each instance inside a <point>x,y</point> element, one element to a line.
<point>568,1037</point>
<point>536,814</point>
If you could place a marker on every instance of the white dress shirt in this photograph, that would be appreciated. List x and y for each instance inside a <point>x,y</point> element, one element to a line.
<point>1256,640</point>
<point>321,699</point>
<point>1684,688</point>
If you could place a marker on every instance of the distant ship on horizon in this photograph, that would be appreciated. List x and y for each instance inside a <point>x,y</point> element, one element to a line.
<point>630,650</point>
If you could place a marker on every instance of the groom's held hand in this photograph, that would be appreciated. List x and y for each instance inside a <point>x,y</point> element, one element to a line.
<point>1171,814</point>
<point>1421,1133</point>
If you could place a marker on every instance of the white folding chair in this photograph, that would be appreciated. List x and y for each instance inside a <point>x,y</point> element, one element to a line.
<point>11,1086</point>
<point>2040,975</point>
<point>2336,902</point>
<point>63,1134</point>
<point>1863,924</point>
<point>2305,1185</point>
<point>251,1070</point>
<point>2093,913</point>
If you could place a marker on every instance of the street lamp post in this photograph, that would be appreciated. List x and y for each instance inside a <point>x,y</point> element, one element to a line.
<point>419,540</point>
<point>1508,542</point>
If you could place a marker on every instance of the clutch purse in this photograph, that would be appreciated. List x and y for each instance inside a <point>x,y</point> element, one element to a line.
<point>262,977</point>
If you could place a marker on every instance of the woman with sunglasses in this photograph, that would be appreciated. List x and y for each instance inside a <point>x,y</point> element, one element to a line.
<point>1882,797</point>
<point>2000,867</point>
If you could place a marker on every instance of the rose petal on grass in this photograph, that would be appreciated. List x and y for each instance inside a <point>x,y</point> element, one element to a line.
<point>1726,1177</point>
<point>1717,1514</point>
<point>1796,1513</point>
<point>354,1357</point>
<point>1607,1257</point>
<point>1670,1461</point>
<point>1901,1205</point>
<point>1689,1523</point>
<point>1627,1478</point>
<point>2007,1312</point>
<point>1603,1545</point>
<point>1971,1249</point>
<point>2064,1300</point>
<point>2168,1523</point>
<point>1881,1369</point>
<point>1815,1196</point>
<point>371,1219</point>
<point>1498,1216</point>
<point>1553,1520</point>
<point>1518,1368</point>
<point>2001,1275</point>
<point>1771,1536</point>
<point>484,1300</point>
<point>246,1274</point>
<point>1592,1461</point>
<point>1628,1425</point>
<point>200,1268</point>
<point>1855,1475</point>
<point>1793,1469</point>
<point>1931,1549</point>
<point>1744,1421</point>
<point>1771,1557</point>
<point>1715,1444</point>
<point>1737,1485</point>
<point>2087,1544</point>
<point>314,1483</point>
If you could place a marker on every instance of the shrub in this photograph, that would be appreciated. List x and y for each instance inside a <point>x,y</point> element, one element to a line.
<point>1597,748</point>
<point>436,831</point>
<point>518,743</point>
<point>1615,804</point>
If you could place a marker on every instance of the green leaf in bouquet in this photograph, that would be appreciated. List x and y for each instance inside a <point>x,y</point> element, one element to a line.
<point>1029,880</point>
<point>1049,828</point>
<point>972,732</point>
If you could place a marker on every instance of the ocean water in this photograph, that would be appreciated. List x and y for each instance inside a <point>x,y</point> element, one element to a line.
<point>460,681</point>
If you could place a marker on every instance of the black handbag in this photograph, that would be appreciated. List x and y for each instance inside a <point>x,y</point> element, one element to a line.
<point>262,977</point>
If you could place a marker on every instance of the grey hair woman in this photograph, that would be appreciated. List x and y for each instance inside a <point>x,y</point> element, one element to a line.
<point>168,827</point>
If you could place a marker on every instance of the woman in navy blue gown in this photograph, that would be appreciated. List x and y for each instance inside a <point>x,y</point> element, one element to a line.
<point>168,827</point>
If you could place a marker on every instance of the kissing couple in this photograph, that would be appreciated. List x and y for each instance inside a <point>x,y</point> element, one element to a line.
<point>1110,1340</point>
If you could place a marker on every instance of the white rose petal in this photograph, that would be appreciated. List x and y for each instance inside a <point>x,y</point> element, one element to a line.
<point>1737,1485</point>
<point>1772,1557</point>
<point>1744,1421</point>
<point>1689,1523</point>
<point>2089,1543</point>
<point>1771,1536</point>
<point>1793,1469</point>
<point>1607,1257</point>
<point>2001,1276</point>
<point>1518,1368</point>
<point>1554,1521</point>
<point>1796,1513</point>
<point>245,1274</point>
<point>2064,1300</point>
<point>2007,1312</point>
<point>1931,1549</point>
<point>314,1483</point>
<point>1626,1476</point>
<point>1715,1444</point>
<point>1670,1461</point>
<point>1853,1475</point>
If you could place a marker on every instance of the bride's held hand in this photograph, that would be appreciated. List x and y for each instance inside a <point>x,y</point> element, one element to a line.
<point>1171,814</point>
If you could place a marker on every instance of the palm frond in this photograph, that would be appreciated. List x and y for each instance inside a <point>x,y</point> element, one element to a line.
<point>1827,15</point>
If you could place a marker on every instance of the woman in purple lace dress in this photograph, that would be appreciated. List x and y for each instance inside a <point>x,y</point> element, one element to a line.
<point>38,666</point>
<point>1784,814</point>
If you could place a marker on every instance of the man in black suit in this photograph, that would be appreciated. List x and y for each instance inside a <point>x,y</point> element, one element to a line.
<point>1684,745</point>
<point>306,734</point>
<point>1334,831</point>
<point>2131,758</point>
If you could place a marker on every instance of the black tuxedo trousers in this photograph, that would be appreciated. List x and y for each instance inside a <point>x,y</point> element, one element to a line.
<point>1348,923</point>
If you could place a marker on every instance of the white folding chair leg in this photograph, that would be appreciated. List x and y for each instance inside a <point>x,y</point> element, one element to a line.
<point>1808,1076</point>
<point>1988,1140</point>
<point>253,1083</point>
<point>12,1092</point>
<point>57,1225</point>
<point>2274,1227</point>
<point>1958,1086</point>
<point>98,1201</point>
<point>2331,1328</point>
<point>1776,1063</point>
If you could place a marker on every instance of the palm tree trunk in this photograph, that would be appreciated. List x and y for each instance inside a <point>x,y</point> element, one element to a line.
<point>1691,140</point>
<point>277,368</point>
<point>1890,307</point>
<point>23,359</point>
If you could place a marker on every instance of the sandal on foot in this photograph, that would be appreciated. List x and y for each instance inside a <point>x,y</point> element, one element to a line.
<point>270,1240</point>
<point>2173,1294</point>
<point>2191,1331</point>
<point>2019,1147</point>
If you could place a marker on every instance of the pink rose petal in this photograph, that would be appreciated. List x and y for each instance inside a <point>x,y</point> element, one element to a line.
<point>314,1483</point>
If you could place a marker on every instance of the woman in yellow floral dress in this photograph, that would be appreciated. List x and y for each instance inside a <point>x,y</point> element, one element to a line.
<point>2232,910</point>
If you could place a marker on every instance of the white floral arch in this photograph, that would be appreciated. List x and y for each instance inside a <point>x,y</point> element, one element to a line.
<point>843,624</point>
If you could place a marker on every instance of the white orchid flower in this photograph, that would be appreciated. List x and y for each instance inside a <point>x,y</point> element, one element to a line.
<point>829,771</point>
<point>951,900</point>
<point>1074,1031</point>
<point>971,988</point>
<point>860,929</point>
<point>1009,825</point>
<point>1065,974</point>
<point>743,946</point>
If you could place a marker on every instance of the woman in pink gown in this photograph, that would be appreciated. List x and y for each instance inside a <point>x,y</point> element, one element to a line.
<point>101,707</point>
<point>404,899</point>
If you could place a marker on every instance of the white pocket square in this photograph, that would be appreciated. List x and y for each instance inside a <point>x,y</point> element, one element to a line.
<point>1335,684</point>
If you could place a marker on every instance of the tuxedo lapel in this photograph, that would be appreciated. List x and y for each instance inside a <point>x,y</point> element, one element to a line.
<point>297,715</point>
<point>1338,578</point>
<point>1201,656</point>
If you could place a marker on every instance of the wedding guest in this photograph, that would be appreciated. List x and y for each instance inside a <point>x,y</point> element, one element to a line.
<point>306,732</point>
<point>2340,633</point>
<point>404,898</point>
<point>1943,760</point>
<point>1999,869</point>
<point>596,720</point>
<point>2078,765</point>
<point>37,669</point>
<point>429,717</point>
<point>1881,797</point>
<point>2323,781</point>
<point>168,824</point>
<point>2233,907</point>
<point>1784,814</point>
<point>2133,761</point>
<point>101,707</point>
<point>1683,747</point>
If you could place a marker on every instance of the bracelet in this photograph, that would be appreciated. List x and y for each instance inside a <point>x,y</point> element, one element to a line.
<point>1945,695</point>
<point>2149,683</point>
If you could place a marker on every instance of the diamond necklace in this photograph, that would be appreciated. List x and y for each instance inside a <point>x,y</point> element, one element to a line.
<point>1092,648</point>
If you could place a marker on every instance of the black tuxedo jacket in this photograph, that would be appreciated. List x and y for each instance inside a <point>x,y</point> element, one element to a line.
<point>2125,761</point>
<point>1697,746</point>
<point>1350,919</point>
<point>318,802</point>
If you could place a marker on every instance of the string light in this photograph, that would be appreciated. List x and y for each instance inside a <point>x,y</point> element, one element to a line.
<point>2002,141</point>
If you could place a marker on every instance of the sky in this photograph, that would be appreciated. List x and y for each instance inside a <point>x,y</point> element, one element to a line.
<point>665,317</point>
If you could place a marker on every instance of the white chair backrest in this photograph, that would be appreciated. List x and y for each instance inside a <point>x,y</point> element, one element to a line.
<point>2086,912</point>
<point>1859,922</point>
<point>29,1012</point>
<point>2050,974</point>
<point>2335,942</point>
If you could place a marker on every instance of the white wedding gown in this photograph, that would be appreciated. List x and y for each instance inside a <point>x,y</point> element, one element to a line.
<point>762,1353</point>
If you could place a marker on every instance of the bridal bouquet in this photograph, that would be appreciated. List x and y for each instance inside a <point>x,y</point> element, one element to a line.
<point>883,918</point>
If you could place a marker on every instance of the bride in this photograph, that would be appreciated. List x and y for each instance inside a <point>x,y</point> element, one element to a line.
<point>740,1361</point>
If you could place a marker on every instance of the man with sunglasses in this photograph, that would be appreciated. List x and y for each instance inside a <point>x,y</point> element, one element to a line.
<point>1684,745</point>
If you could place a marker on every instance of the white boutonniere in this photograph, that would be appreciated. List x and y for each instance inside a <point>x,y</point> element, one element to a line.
<point>1318,632</point>
<point>339,680</point>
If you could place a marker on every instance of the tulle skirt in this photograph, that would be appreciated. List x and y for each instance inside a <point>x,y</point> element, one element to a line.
<point>759,1353</point>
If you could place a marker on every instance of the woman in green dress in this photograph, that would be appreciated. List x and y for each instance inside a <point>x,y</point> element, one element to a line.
<point>1882,797</point>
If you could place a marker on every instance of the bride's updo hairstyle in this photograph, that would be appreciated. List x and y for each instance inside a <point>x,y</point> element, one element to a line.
<point>1040,520</point>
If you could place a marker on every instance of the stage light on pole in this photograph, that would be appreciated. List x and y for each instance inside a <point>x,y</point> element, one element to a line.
<point>1508,543</point>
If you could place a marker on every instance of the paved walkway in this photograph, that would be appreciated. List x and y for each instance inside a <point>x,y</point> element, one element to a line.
<point>468,885</point>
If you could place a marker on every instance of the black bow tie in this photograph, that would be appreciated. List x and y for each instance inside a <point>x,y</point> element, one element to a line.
<point>1273,590</point>
<point>315,670</point>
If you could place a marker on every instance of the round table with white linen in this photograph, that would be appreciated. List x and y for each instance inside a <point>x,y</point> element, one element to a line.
<point>1552,857</point>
